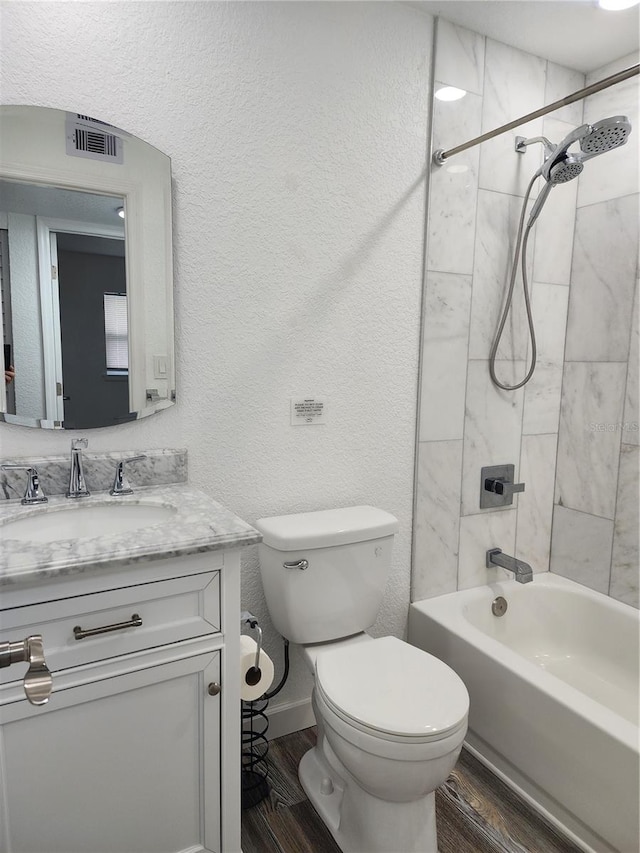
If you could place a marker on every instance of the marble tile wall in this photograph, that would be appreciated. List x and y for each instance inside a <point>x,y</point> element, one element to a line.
<point>465,421</point>
<point>595,524</point>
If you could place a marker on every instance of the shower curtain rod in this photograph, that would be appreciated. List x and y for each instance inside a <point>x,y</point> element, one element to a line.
<point>440,156</point>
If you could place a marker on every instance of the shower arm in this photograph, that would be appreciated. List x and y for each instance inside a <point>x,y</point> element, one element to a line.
<point>440,157</point>
<point>550,150</point>
<point>521,143</point>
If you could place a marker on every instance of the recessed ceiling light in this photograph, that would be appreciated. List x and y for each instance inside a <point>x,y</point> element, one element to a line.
<point>617,5</point>
<point>450,93</point>
<point>120,212</point>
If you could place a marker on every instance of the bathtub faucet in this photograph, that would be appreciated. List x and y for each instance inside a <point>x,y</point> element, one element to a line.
<point>522,571</point>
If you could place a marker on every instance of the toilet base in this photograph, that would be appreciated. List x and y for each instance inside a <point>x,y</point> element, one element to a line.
<point>322,787</point>
<point>360,822</point>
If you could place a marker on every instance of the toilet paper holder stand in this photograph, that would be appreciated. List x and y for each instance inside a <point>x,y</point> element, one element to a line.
<point>255,770</point>
<point>249,619</point>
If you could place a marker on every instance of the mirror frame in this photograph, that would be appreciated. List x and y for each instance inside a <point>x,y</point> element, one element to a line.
<point>148,251</point>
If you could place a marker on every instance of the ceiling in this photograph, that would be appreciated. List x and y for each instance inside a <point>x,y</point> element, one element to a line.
<point>574,33</point>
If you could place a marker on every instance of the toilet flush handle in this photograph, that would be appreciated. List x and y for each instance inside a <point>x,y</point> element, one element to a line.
<point>297,564</point>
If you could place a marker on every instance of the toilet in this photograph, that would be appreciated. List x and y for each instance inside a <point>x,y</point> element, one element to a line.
<point>391,718</point>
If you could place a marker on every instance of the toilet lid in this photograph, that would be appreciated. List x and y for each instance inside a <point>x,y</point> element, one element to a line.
<point>392,687</point>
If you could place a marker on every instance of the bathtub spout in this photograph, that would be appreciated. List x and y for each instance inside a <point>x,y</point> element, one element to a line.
<point>522,570</point>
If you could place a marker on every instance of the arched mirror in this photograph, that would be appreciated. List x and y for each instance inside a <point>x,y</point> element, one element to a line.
<point>85,272</point>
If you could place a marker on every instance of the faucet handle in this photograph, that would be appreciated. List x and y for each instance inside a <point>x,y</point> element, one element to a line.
<point>120,483</point>
<point>33,493</point>
<point>498,486</point>
<point>502,487</point>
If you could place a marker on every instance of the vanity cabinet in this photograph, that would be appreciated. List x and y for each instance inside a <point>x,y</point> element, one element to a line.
<point>138,748</point>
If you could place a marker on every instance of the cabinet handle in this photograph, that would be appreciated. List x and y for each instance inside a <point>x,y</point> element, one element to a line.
<point>80,633</point>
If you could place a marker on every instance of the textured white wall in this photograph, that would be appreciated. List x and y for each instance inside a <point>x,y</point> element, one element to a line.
<point>297,133</point>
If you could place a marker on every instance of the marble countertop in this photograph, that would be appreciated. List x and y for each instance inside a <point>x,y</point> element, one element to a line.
<point>199,524</point>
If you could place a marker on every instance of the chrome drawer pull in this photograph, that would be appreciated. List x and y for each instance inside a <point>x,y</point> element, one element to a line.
<point>80,634</point>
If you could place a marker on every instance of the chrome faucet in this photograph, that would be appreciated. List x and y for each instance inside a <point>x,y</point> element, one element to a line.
<point>522,571</point>
<point>120,483</point>
<point>77,486</point>
<point>33,493</point>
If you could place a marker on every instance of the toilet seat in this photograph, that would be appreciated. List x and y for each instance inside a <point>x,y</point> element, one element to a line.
<point>393,691</point>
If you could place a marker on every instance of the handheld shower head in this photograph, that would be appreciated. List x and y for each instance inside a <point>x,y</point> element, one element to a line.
<point>555,170</point>
<point>565,169</point>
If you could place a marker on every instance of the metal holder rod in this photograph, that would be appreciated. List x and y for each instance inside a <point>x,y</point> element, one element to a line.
<point>440,156</point>
<point>250,620</point>
<point>258,629</point>
<point>254,769</point>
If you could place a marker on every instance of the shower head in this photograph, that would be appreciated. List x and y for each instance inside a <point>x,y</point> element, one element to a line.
<point>604,135</point>
<point>565,169</point>
<point>594,139</point>
<point>557,169</point>
<point>560,166</point>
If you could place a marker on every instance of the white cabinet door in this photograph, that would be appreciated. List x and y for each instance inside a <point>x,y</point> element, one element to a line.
<point>127,764</point>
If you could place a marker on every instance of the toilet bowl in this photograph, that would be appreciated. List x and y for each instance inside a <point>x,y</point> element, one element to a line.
<point>391,722</point>
<point>391,718</point>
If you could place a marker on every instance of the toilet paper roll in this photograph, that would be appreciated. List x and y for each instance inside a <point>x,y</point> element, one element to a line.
<point>253,683</point>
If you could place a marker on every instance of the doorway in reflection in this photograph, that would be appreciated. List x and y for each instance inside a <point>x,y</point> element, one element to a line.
<point>63,251</point>
<point>93,330</point>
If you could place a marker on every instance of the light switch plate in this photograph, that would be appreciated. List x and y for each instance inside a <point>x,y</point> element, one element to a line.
<point>160,367</point>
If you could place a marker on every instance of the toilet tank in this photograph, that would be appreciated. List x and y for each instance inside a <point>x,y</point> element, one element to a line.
<point>324,573</point>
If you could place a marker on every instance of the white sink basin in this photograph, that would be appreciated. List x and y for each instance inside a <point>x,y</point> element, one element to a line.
<point>84,522</point>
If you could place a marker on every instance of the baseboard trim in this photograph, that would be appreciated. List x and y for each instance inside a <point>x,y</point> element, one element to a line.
<point>289,717</point>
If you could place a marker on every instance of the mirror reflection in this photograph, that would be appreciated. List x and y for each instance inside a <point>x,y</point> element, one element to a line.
<point>78,290</point>
<point>85,272</point>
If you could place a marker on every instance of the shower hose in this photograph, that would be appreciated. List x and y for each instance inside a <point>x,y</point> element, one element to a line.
<point>521,244</point>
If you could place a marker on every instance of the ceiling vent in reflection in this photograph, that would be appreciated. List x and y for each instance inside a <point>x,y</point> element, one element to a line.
<point>88,137</point>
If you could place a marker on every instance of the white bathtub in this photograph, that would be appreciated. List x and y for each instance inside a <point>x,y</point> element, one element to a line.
<point>553,686</point>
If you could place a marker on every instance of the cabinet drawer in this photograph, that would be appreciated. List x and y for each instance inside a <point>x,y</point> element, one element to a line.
<point>170,611</point>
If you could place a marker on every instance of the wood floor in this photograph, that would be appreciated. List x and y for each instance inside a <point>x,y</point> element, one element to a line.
<point>476,812</point>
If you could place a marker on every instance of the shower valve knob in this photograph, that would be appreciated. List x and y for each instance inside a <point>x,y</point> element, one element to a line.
<point>497,486</point>
<point>502,487</point>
